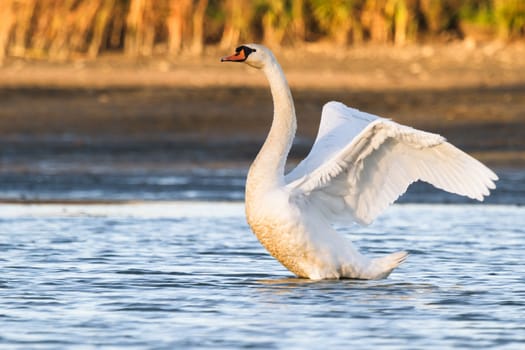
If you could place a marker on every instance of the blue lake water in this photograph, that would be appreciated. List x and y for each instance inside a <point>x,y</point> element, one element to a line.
<point>93,180</point>
<point>190,275</point>
<point>172,264</point>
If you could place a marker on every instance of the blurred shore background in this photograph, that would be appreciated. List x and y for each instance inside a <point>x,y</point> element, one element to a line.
<point>113,89</point>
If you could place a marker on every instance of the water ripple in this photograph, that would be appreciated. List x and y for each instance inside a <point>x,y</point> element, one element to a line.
<point>171,276</point>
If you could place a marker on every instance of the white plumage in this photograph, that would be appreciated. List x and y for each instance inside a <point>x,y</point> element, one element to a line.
<point>359,165</point>
<point>367,162</point>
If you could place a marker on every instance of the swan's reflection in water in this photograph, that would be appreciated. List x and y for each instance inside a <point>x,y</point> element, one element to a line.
<point>362,290</point>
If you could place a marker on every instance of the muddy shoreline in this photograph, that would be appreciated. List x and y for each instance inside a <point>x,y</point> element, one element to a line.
<point>197,109</point>
<point>488,121</point>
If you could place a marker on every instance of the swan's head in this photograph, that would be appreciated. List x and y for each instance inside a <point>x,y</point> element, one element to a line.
<point>254,55</point>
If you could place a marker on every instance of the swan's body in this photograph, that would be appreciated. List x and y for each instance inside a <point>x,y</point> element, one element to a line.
<point>358,165</point>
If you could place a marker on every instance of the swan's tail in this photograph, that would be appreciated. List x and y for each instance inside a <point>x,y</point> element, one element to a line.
<point>382,267</point>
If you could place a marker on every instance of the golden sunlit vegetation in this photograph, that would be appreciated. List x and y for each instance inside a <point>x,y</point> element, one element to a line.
<point>64,29</point>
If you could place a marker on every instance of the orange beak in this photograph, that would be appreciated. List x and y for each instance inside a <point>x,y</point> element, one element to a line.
<point>236,57</point>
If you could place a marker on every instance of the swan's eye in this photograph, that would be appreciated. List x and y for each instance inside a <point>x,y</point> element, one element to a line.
<point>247,50</point>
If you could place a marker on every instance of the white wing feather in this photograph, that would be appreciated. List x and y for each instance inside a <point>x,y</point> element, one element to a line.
<point>361,163</point>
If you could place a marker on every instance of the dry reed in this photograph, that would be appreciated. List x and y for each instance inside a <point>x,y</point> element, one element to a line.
<point>65,29</point>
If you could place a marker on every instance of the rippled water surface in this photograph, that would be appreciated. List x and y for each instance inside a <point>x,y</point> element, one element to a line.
<point>181,275</point>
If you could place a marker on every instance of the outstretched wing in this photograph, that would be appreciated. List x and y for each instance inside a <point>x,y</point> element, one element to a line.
<point>361,163</point>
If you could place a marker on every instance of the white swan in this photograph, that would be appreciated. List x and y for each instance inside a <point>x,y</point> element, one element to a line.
<point>359,164</point>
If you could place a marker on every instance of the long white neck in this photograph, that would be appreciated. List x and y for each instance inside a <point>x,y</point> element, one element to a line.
<point>267,171</point>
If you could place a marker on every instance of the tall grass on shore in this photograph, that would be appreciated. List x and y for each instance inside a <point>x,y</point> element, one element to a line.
<point>66,29</point>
